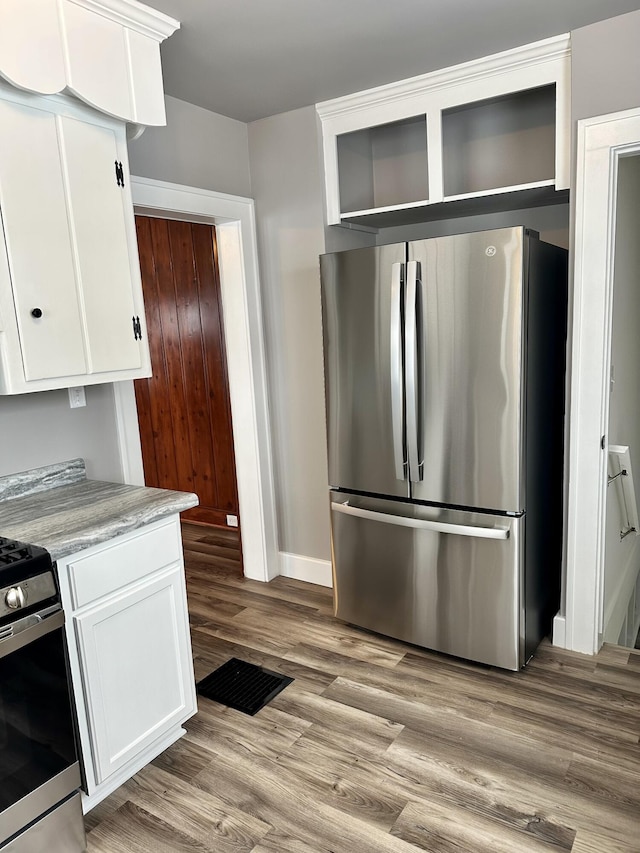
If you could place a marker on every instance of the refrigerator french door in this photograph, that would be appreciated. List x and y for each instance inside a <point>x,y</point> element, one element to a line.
<point>444,374</point>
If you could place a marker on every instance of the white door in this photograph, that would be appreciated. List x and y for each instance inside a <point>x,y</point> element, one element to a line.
<point>137,671</point>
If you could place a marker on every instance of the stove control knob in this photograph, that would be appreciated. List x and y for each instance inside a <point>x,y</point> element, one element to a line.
<point>15,598</point>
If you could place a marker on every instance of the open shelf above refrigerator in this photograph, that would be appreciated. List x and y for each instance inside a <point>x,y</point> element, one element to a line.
<point>493,126</point>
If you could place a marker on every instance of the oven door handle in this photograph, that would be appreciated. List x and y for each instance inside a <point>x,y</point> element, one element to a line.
<point>25,631</point>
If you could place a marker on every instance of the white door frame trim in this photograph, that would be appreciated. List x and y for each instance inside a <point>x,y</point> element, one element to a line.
<point>602,141</point>
<point>234,218</point>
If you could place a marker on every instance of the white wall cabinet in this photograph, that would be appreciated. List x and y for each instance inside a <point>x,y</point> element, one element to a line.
<point>130,652</point>
<point>105,52</point>
<point>496,125</point>
<point>71,308</point>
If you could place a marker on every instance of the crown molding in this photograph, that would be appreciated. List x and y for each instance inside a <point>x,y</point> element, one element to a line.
<point>547,50</point>
<point>133,15</point>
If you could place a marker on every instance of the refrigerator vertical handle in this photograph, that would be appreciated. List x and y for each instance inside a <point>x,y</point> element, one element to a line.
<point>411,361</point>
<point>397,391</point>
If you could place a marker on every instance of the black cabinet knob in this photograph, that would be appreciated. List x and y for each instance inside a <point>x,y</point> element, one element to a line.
<point>36,312</point>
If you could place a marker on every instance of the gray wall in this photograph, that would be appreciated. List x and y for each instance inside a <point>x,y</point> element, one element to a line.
<point>605,66</point>
<point>622,558</point>
<point>196,148</point>
<point>286,181</point>
<point>40,429</point>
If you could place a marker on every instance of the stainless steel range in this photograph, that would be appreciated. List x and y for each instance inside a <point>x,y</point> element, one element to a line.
<point>40,807</point>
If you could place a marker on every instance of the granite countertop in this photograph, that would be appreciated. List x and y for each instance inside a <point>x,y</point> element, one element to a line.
<point>58,508</point>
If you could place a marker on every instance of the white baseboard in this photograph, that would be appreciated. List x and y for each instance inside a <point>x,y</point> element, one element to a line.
<point>559,631</point>
<point>307,569</point>
<point>617,607</point>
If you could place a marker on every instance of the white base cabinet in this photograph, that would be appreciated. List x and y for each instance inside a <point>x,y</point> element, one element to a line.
<point>130,651</point>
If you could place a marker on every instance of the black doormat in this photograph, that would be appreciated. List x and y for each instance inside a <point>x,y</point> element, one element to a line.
<point>243,686</point>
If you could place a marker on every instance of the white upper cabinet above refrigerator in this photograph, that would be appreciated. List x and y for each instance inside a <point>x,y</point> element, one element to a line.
<point>470,133</point>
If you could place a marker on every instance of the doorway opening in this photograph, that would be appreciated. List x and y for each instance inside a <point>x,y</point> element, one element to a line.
<point>603,143</point>
<point>184,411</point>
<point>621,590</point>
<point>234,219</point>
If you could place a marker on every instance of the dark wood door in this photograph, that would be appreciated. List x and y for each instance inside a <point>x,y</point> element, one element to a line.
<point>183,409</point>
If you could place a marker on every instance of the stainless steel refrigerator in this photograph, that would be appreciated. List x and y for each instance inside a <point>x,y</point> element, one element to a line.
<point>445,379</point>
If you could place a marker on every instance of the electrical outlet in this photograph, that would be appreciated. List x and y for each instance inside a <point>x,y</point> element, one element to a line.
<point>232,520</point>
<point>77,397</point>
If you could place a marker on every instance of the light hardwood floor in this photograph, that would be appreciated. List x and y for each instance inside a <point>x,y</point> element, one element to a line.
<point>378,746</point>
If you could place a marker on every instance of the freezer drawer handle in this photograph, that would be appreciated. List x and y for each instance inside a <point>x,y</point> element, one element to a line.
<point>423,524</point>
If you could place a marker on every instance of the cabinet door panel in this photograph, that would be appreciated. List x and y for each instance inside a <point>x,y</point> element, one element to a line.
<point>32,22</point>
<point>146,79</point>
<point>36,228</point>
<point>136,663</point>
<point>97,59</point>
<point>110,569</point>
<point>100,231</point>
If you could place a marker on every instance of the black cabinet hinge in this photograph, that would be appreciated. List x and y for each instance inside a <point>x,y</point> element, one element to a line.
<point>137,329</point>
<point>119,174</point>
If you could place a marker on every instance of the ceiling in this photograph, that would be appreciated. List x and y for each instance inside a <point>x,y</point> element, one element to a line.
<point>248,59</point>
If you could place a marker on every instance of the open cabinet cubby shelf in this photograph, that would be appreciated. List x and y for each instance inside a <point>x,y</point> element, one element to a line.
<point>384,166</point>
<point>482,129</point>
